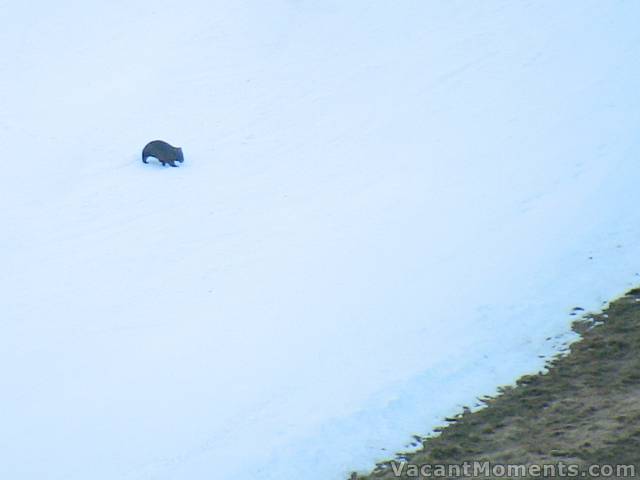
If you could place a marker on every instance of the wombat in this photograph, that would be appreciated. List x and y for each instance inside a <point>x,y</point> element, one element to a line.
<point>164,152</point>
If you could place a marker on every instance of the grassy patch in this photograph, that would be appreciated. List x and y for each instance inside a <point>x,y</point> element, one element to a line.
<point>584,410</point>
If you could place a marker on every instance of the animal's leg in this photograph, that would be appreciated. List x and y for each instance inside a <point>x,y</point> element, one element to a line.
<point>173,164</point>
<point>144,160</point>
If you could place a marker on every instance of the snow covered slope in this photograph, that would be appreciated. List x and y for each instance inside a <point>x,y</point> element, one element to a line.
<point>384,211</point>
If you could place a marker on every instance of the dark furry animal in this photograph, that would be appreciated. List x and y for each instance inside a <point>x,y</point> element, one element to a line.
<point>164,152</point>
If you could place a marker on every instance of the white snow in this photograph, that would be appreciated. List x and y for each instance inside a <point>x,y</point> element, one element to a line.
<point>385,209</point>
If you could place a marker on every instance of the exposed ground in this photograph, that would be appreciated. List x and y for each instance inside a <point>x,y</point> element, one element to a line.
<point>583,410</point>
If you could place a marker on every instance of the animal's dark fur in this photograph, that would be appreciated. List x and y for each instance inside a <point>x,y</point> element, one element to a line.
<point>164,152</point>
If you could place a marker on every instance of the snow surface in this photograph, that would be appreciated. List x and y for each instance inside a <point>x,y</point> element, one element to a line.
<point>384,211</point>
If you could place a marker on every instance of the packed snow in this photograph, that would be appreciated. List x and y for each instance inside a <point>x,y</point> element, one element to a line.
<point>386,209</point>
